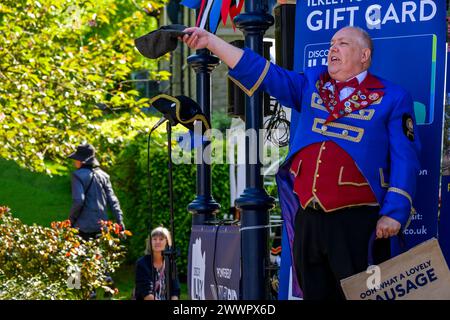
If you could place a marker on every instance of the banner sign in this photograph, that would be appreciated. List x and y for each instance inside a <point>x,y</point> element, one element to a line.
<point>214,263</point>
<point>444,218</point>
<point>409,40</point>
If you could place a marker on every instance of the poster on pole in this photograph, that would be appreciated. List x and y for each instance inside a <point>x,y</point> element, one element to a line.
<point>410,50</point>
<point>214,263</point>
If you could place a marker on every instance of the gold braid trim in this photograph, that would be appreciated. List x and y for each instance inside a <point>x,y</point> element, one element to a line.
<point>256,85</point>
<point>382,180</point>
<point>200,117</point>
<point>402,192</point>
<point>344,183</point>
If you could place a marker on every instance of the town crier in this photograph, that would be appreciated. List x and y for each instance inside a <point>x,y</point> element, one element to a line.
<point>353,161</point>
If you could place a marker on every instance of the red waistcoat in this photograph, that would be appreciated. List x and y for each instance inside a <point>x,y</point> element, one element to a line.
<point>327,173</point>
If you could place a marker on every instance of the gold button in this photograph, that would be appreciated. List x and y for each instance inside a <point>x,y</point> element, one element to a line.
<point>324,128</point>
<point>362,112</point>
<point>317,176</point>
<point>323,148</point>
<point>320,161</point>
<point>315,190</point>
<point>345,132</point>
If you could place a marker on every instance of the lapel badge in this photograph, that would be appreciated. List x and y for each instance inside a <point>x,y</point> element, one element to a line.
<point>348,109</point>
<point>364,103</point>
<point>355,97</point>
<point>374,96</point>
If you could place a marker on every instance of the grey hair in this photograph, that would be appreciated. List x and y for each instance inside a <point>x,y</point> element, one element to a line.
<point>365,40</point>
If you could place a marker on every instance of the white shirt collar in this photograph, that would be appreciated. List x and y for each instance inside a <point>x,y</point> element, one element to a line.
<point>360,76</point>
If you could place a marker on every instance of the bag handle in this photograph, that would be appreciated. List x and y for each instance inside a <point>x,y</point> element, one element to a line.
<point>373,238</point>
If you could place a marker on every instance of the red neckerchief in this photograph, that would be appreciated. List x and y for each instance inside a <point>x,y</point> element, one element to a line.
<point>363,96</point>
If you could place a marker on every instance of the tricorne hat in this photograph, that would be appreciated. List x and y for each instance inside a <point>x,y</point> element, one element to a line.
<point>180,109</point>
<point>85,153</point>
<point>158,42</point>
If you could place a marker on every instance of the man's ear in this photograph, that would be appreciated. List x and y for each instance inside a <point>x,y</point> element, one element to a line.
<point>366,55</point>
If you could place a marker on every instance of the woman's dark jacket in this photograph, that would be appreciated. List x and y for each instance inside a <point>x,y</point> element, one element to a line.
<point>145,279</point>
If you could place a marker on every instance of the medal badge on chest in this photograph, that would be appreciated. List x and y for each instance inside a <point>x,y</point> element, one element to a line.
<point>362,97</point>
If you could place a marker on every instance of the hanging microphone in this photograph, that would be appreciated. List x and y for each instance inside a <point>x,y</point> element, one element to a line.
<point>159,123</point>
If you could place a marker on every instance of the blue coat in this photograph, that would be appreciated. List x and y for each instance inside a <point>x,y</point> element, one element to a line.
<point>376,137</point>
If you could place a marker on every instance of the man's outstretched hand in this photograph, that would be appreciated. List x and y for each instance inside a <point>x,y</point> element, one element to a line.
<point>387,227</point>
<point>198,38</point>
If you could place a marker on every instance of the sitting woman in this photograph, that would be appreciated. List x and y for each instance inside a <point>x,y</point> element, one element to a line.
<point>151,270</point>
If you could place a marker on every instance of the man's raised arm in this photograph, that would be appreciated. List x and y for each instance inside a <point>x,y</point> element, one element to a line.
<point>200,39</point>
<point>250,71</point>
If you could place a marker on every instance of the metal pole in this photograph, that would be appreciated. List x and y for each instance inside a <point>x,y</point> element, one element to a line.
<point>254,203</point>
<point>170,253</point>
<point>203,207</point>
<point>181,44</point>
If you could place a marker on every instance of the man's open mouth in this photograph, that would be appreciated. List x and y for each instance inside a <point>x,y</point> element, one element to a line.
<point>335,59</point>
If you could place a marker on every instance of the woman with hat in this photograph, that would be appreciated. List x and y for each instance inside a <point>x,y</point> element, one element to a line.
<point>92,193</point>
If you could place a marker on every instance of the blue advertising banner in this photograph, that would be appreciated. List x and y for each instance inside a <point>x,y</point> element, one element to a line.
<point>214,263</point>
<point>410,50</point>
<point>444,218</point>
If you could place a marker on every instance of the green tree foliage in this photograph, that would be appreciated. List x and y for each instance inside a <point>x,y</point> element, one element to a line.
<point>59,61</point>
<point>129,176</point>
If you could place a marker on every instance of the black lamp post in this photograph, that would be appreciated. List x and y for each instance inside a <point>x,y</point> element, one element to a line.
<point>204,207</point>
<point>254,203</point>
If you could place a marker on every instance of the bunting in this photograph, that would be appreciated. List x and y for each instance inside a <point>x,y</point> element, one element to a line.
<point>212,11</point>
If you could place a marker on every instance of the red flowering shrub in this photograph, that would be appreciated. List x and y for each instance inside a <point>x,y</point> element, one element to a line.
<point>55,263</point>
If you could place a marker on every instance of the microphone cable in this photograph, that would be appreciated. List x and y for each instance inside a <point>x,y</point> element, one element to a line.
<point>149,176</point>
<point>216,283</point>
<point>149,184</point>
<point>278,121</point>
